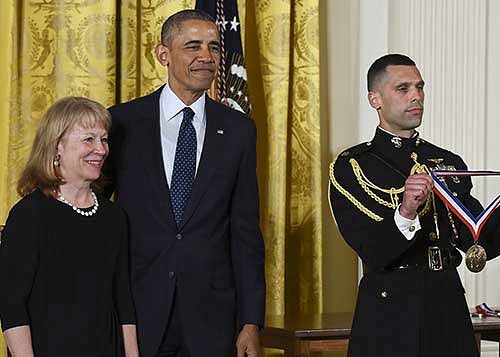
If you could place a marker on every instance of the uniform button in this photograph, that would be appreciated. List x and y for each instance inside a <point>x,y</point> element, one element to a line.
<point>384,294</point>
<point>455,194</point>
<point>412,229</point>
<point>171,274</point>
<point>178,236</point>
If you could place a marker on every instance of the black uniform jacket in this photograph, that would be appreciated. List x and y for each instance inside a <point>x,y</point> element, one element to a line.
<point>404,308</point>
<point>213,262</point>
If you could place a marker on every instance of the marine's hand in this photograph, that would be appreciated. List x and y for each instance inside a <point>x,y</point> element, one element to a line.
<point>417,187</point>
<point>247,343</point>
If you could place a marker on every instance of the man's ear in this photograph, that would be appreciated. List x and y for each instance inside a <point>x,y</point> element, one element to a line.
<point>374,99</point>
<point>163,54</point>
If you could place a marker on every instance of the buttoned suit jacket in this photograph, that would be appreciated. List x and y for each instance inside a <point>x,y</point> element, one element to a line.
<point>412,312</point>
<point>213,262</point>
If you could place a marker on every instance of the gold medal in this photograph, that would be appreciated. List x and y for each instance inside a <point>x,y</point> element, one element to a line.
<point>475,258</point>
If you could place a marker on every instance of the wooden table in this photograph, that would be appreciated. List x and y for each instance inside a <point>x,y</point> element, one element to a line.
<point>309,333</point>
<point>330,332</point>
<point>486,328</point>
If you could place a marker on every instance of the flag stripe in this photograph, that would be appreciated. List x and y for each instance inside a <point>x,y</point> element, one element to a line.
<point>232,86</point>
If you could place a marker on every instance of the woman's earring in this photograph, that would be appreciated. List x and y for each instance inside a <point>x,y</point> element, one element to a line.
<point>56,160</point>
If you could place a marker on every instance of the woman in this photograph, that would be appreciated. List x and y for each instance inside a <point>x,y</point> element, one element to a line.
<point>64,255</point>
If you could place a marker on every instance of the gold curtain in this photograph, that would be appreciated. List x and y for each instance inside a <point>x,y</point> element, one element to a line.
<point>103,49</point>
<point>283,69</point>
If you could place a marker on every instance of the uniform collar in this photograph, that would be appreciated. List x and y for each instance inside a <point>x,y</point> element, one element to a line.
<point>387,139</point>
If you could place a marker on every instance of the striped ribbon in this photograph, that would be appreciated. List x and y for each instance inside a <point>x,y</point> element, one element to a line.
<point>474,223</point>
<point>486,310</point>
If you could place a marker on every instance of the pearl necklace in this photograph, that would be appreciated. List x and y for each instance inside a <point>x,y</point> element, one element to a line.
<point>78,210</point>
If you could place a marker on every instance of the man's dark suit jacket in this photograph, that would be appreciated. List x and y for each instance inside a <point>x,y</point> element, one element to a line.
<point>215,259</point>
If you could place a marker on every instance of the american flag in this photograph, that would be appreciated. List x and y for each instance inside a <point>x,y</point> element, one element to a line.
<point>232,87</point>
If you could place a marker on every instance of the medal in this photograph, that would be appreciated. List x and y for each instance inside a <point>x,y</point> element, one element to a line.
<point>475,258</point>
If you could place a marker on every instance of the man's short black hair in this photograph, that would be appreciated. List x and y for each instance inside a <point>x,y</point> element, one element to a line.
<point>377,69</point>
<point>172,24</point>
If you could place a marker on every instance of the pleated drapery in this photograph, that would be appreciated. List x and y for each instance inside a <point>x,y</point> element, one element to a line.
<point>104,49</point>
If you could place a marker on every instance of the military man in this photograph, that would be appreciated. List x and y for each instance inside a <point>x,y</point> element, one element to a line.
<point>411,301</point>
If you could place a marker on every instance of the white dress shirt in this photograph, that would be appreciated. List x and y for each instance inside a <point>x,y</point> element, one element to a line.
<point>408,227</point>
<point>170,123</point>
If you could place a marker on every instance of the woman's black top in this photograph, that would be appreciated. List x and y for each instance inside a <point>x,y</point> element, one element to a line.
<point>66,276</point>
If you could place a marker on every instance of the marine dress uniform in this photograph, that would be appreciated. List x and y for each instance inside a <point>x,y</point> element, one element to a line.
<point>411,301</point>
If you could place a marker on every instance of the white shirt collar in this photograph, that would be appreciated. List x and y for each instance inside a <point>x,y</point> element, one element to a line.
<point>173,105</point>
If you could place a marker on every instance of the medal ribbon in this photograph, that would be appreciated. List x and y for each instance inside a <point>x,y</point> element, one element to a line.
<point>486,310</point>
<point>475,224</point>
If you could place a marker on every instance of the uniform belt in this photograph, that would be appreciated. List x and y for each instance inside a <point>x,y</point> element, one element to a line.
<point>437,259</point>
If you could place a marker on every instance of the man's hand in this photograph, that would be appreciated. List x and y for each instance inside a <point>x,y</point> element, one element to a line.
<point>417,187</point>
<point>248,341</point>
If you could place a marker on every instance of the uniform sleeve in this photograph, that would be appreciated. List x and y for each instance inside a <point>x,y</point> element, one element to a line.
<point>18,264</point>
<point>122,292</point>
<point>374,235</point>
<point>247,245</point>
<point>489,238</point>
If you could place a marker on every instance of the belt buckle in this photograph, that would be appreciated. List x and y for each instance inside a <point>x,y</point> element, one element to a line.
<point>435,260</point>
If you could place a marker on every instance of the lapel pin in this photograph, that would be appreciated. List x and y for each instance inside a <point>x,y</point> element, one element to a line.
<point>220,132</point>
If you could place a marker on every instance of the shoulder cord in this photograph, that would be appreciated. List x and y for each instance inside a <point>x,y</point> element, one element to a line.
<point>423,168</point>
<point>351,198</point>
<point>366,184</point>
<point>393,192</point>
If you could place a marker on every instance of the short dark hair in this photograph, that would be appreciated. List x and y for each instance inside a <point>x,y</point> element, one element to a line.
<point>377,69</point>
<point>173,22</point>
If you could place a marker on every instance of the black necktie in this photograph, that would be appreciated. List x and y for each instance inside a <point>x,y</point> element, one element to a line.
<point>184,165</point>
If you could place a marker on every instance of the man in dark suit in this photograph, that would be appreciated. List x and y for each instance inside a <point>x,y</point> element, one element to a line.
<point>183,168</point>
<point>410,300</point>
